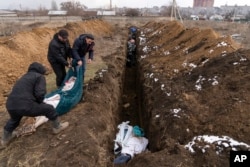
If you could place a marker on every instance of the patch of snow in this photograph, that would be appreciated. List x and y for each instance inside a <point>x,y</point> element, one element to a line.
<point>176,111</point>
<point>192,65</point>
<point>155,47</point>
<point>168,93</point>
<point>221,44</point>
<point>143,56</point>
<point>184,64</point>
<point>166,52</point>
<point>185,50</point>
<point>214,80</point>
<point>215,83</point>
<point>142,40</point>
<point>211,51</point>
<point>145,49</point>
<point>198,86</point>
<point>243,59</point>
<point>199,83</point>
<point>205,61</point>
<point>162,87</point>
<point>177,47</point>
<point>156,32</point>
<point>176,70</point>
<point>220,142</point>
<point>151,75</point>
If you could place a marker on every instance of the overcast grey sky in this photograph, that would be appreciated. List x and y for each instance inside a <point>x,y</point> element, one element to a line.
<point>34,4</point>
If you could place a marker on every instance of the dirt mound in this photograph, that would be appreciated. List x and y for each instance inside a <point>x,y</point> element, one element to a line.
<point>189,93</point>
<point>193,85</point>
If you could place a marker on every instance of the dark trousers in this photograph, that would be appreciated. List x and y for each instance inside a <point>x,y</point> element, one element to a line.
<point>36,110</point>
<point>131,59</point>
<point>122,159</point>
<point>83,67</point>
<point>60,72</point>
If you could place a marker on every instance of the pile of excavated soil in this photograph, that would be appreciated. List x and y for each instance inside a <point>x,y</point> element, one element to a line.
<point>192,85</point>
<point>195,86</point>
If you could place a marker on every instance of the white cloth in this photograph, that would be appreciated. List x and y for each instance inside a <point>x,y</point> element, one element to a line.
<point>69,84</point>
<point>135,145</point>
<point>40,120</point>
<point>53,100</point>
<point>125,132</point>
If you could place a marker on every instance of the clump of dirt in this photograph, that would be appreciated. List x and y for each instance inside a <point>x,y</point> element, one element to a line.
<point>190,84</point>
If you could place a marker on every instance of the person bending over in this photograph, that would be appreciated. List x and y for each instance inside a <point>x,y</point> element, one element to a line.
<point>26,99</point>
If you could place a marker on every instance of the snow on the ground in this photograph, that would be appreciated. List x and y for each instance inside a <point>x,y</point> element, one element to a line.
<point>206,141</point>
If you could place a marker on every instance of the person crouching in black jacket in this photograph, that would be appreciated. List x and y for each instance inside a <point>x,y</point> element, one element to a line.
<point>59,55</point>
<point>26,99</point>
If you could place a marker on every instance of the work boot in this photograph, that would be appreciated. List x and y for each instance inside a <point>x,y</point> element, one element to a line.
<point>7,137</point>
<point>58,127</point>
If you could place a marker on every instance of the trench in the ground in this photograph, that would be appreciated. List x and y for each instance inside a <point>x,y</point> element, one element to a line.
<point>130,109</point>
<point>132,100</point>
<point>133,107</point>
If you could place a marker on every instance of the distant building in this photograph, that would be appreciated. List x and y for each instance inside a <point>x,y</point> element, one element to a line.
<point>89,13</point>
<point>86,15</point>
<point>216,17</point>
<point>5,13</point>
<point>57,13</point>
<point>203,3</point>
<point>238,18</point>
<point>106,13</point>
<point>194,17</point>
<point>236,10</point>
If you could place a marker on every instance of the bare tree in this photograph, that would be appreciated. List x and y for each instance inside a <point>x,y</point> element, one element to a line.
<point>165,10</point>
<point>229,15</point>
<point>132,12</point>
<point>248,16</point>
<point>42,11</point>
<point>185,14</point>
<point>73,7</point>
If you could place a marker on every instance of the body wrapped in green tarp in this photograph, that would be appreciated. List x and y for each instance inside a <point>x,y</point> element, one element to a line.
<point>69,98</point>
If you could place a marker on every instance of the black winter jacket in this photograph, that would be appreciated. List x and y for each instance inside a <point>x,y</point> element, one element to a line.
<point>29,89</point>
<point>58,51</point>
<point>80,48</point>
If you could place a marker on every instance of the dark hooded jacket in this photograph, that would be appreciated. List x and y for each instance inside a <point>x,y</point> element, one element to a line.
<point>29,89</point>
<point>59,51</point>
<point>80,48</point>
